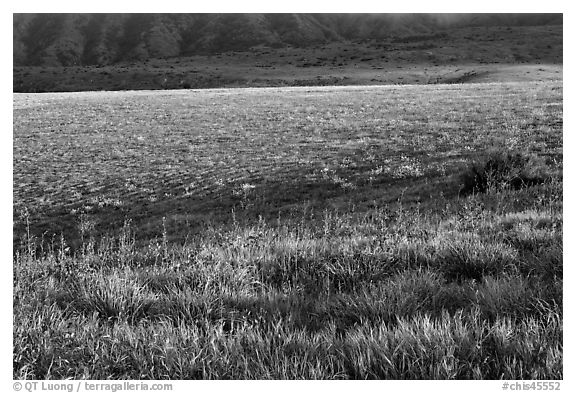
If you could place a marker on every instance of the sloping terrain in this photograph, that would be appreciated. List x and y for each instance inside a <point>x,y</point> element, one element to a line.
<point>466,55</point>
<point>347,50</point>
<point>187,155</point>
<point>87,39</point>
<point>290,233</point>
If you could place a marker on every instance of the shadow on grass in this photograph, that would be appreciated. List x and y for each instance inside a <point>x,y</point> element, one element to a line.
<point>183,216</point>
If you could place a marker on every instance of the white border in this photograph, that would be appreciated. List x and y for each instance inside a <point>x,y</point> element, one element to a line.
<point>357,6</point>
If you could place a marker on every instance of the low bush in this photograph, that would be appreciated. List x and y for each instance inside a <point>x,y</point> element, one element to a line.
<point>500,170</point>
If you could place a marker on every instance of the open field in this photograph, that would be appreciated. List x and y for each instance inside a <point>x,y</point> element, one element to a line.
<point>316,232</point>
<point>194,156</point>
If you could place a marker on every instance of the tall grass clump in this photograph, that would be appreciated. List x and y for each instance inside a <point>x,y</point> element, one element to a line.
<point>503,169</point>
<point>471,291</point>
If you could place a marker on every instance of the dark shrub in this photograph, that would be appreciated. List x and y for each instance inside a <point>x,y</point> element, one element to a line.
<point>503,170</point>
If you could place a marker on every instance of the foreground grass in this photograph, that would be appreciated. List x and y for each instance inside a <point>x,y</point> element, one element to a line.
<point>472,290</point>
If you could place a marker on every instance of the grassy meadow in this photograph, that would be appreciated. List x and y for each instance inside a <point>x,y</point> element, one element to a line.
<point>370,232</point>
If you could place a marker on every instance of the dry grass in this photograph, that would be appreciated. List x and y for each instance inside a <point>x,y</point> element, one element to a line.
<point>359,266</point>
<point>194,156</point>
<point>374,296</point>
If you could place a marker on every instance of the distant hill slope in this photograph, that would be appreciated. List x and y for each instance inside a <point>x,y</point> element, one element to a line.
<point>107,39</point>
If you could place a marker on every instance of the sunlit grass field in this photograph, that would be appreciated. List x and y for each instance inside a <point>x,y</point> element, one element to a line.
<point>288,233</point>
<point>193,156</point>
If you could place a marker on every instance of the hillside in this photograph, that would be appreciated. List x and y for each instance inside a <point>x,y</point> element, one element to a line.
<point>90,39</point>
<point>455,55</point>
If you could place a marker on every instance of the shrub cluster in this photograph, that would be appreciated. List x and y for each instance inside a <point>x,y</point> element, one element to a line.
<point>502,170</point>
